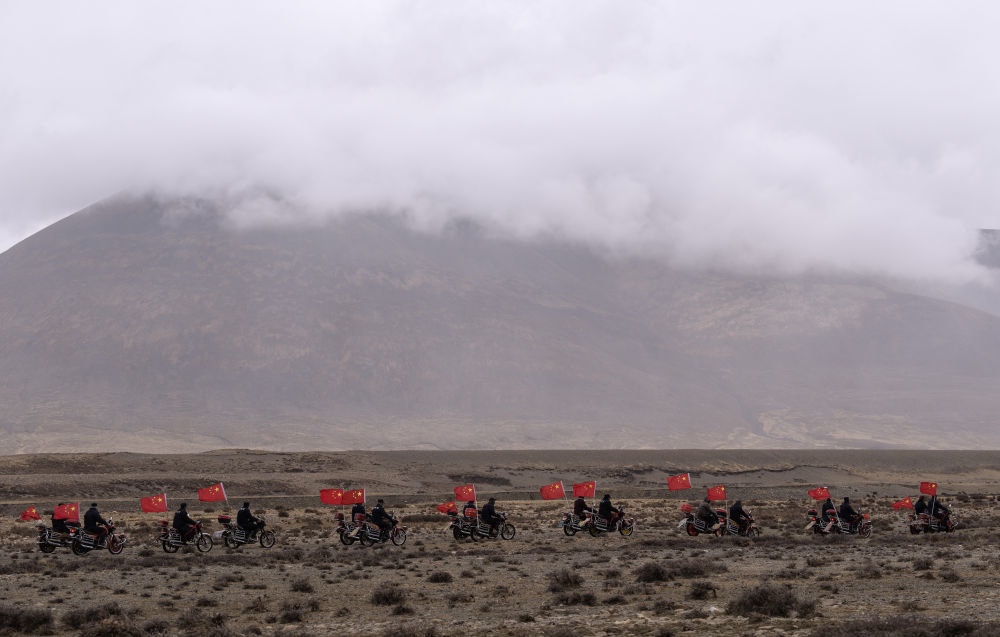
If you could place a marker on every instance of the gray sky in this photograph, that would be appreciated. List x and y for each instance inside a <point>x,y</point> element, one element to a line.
<point>783,136</point>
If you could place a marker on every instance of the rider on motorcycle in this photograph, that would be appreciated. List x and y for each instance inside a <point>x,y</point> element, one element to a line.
<point>59,524</point>
<point>707,515</point>
<point>247,521</point>
<point>358,510</point>
<point>920,506</point>
<point>380,517</point>
<point>183,523</point>
<point>940,512</point>
<point>489,515</point>
<point>847,512</point>
<point>828,514</point>
<point>738,515</point>
<point>580,508</point>
<point>94,524</point>
<point>607,510</point>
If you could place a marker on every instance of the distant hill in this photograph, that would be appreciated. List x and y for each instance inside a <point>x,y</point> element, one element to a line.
<point>131,326</point>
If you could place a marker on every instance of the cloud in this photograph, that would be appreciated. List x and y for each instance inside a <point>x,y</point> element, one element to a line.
<point>782,137</point>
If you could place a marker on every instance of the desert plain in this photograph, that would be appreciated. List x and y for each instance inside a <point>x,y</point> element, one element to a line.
<point>657,582</point>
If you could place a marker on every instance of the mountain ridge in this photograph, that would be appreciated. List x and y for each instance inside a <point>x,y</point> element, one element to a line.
<point>154,324</point>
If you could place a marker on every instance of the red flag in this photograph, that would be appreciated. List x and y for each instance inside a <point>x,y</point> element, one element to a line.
<point>682,481</point>
<point>447,507</point>
<point>717,493</point>
<point>30,514</point>
<point>466,493</point>
<point>331,496</point>
<point>819,493</point>
<point>553,491</point>
<point>905,503</point>
<point>930,488</point>
<point>69,511</point>
<point>154,503</point>
<point>356,496</point>
<point>585,489</point>
<point>214,493</point>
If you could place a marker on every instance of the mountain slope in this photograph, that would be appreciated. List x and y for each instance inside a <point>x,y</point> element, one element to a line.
<point>147,325</point>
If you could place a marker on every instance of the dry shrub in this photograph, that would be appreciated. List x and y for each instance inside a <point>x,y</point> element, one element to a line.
<point>652,572</point>
<point>900,626</point>
<point>25,620</point>
<point>770,600</point>
<point>388,596</point>
<point>562,579</point>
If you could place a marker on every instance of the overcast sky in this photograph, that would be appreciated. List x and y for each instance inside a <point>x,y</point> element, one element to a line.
<point>778,135</point>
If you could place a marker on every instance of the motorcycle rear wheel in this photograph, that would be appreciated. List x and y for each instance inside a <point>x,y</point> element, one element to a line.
<point>266,539</point>
<point>399,537</point>
<point>229,540</point>
<point>568,529</point>
<point>691,530</point>
<point>457,533</point>
<point>346,539</point>
<point>508,532</point>
<point>914,530</point>
<point>46,548</point>
<point>593,530</point>
<point>168,547</point>
<point>204,543</point>
<point>115,545</point>
<point>78,548</point>
<point>365,539</point>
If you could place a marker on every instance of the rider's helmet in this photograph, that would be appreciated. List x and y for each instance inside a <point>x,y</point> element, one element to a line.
<point>492,500</point>
<point>607,496</point>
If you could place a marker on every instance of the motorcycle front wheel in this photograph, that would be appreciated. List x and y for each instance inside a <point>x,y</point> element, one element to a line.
<point>753,532</point>
<point>626,530</point>
<point>508,531</point>
<point>865,531</point>
<point>115,545</point>
<point>266,539</point>
<point>204,543</point>
<point>399,537</point>
<point>46,548</point>
<point>168,547</point>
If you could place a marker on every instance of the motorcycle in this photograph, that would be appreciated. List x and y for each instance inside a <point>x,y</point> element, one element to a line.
<point>925,523</point>
<point>49,540</point>
<point>860,525</point>
<point>502,529</point>
<point>729,527</point>
<point>85,542</point>
<point>696,526</point>
<point>234,535</point>
<point>369,533</point>
<point>571,524</point>
<point>464,525</point>
<point>171,540</point>
<point>624,526</point>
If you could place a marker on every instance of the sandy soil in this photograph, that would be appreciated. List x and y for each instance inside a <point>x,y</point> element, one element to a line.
<point>541,582</point>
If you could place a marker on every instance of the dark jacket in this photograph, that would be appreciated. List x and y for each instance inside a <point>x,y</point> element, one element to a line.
<point>92,520</point>
<point>606,509</point>
<point>245,519</point>
<point>706,513</point>
<point>920,506</point>
<point>358,508</point>
<point>580,507</point>
<point>182,520</point>
<point>59,525</point>
<point>488,513</point>
<point>736,513</point>
<point>828,510</point>
<point>847,512</point>
<point>378,514</point>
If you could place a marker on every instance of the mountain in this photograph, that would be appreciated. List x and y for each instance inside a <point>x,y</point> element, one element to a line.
<point>154,325</point>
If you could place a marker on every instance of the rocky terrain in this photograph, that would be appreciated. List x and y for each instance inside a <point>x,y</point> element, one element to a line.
<point>659,581</point>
